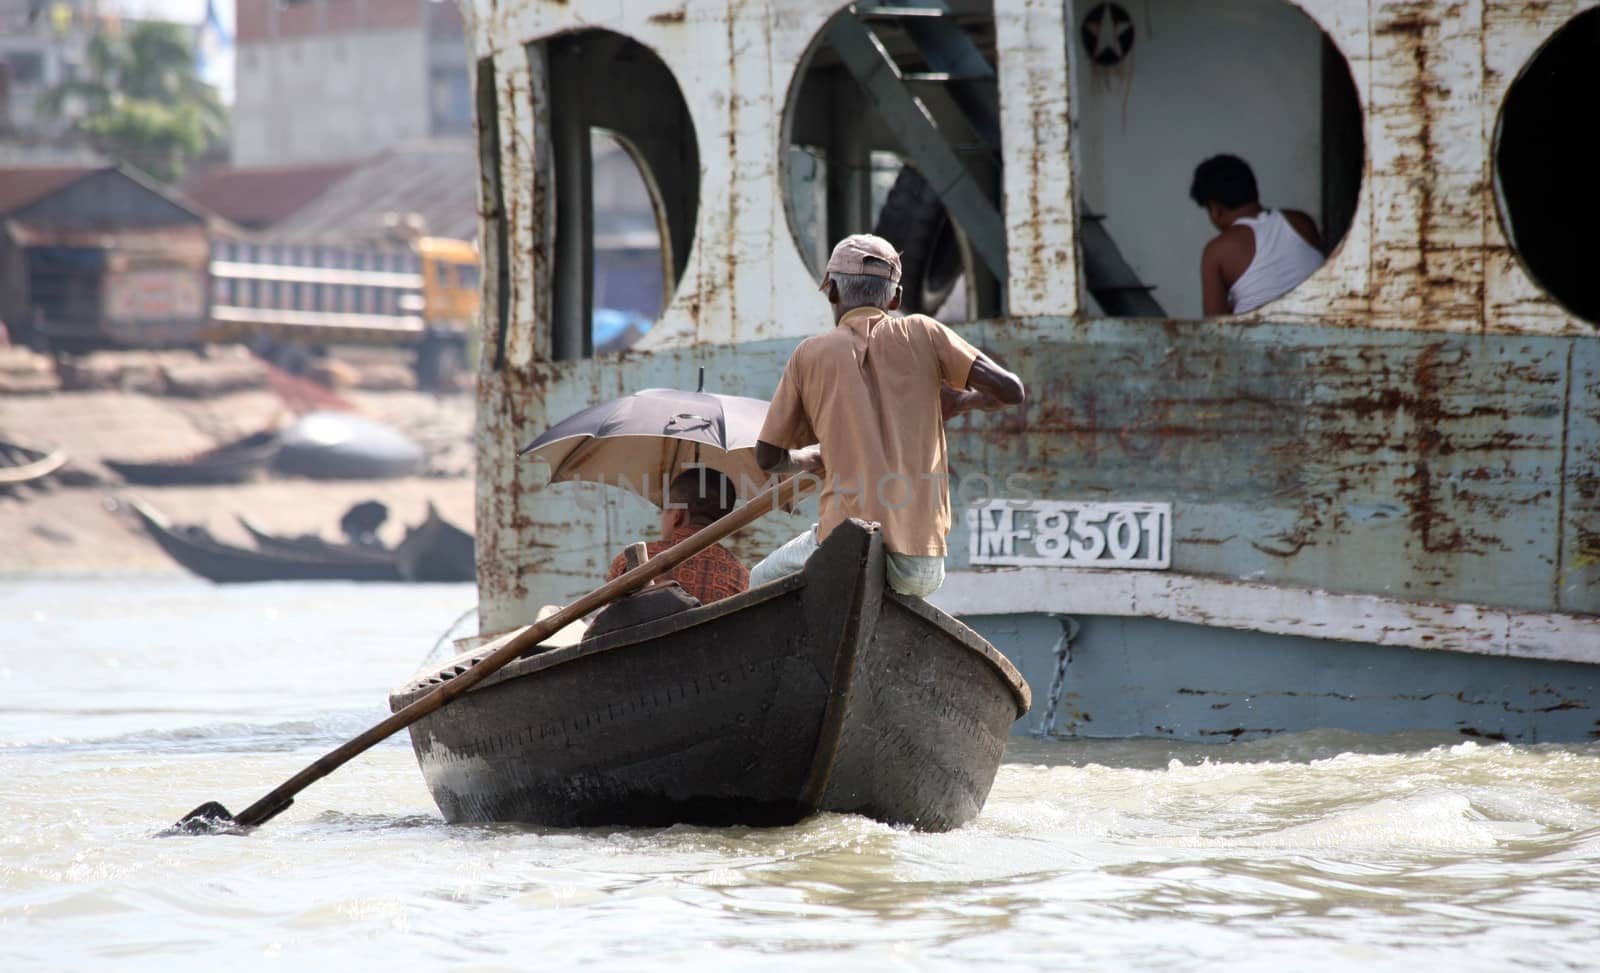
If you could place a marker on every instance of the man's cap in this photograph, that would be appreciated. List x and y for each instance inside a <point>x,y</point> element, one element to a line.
<point>863,253</point>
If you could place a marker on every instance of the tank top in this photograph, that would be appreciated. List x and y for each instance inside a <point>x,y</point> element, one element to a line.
<point>1283,259</point>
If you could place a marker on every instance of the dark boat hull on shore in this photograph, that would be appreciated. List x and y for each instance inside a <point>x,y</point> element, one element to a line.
<point>235,462</point>
<point>821,691</point>
<point>432,551</point>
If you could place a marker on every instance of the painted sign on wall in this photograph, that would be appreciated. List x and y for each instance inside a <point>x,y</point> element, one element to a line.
<point>1070,534</point>
<point>154,294</point>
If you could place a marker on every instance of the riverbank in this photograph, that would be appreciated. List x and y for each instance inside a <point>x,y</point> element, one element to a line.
<point>76,523</point>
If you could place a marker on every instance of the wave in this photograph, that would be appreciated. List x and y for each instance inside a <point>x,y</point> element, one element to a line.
<point>224,736</point>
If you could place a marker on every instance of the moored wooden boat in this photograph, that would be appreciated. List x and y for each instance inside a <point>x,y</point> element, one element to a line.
<point>435,550</point>
<point>23,464</point>
<point>234,462</point>
<point>821,691</point>
<point>301,545</point>
<point>199,552</point>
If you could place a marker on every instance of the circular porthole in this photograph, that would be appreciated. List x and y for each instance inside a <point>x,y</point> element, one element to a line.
<point>1277,124</point>
<point>1544,170</point>
<point>888,104</point>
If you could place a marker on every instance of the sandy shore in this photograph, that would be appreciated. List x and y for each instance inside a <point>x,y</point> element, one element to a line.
<point>76,525</point>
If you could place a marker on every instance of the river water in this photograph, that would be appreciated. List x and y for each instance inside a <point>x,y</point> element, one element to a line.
<point>125,703</point>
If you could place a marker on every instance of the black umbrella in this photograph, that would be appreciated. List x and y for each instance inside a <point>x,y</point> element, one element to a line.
<point>641,441</point>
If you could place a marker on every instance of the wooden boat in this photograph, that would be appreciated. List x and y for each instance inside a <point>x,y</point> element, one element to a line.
<point>22,464</point>
<point>821,691</point>
<point>195,549</point>
<point>437,550</point>
<point>234,462</point>
<point>431,551</point>
<point>311,544</point>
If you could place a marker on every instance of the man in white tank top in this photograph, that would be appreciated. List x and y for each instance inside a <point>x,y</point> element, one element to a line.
<point>1259,255</point>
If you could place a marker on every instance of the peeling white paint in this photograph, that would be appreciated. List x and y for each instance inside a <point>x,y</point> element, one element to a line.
<point>1430,120</point>
<point>1426,252</point>
<point>1280,610</point>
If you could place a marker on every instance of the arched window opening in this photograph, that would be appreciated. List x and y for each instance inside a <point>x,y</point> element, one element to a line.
<point>1544,169</point>
<point>1163,85</point>
<point>892,127</point>
<point>624,173</point>
<point>631,268</point>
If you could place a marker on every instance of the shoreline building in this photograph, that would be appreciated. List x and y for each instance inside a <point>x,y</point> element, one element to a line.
<point>42,44</point>
<point>340,80</point>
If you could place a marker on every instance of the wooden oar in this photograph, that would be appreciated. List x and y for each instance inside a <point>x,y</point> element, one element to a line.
<point>213,817</point>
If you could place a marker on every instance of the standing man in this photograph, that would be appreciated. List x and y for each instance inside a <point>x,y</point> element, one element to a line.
<point>863,407</point>
<point>1260,254</point>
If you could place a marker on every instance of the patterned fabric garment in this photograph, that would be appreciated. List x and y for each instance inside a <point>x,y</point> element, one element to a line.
<point>712,574</point>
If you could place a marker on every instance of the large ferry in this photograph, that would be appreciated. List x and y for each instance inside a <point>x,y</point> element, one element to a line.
<point>1371,504</point>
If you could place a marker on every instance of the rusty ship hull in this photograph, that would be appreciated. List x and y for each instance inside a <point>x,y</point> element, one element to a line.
<point>1381,491</point>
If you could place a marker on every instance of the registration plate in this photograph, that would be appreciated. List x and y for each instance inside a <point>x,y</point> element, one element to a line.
<point>1071,534</point>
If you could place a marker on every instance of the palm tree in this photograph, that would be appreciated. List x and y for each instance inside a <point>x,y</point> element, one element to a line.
<point>142,101</point>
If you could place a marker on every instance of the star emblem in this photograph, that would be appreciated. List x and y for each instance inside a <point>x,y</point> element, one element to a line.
<point>1108,34</point>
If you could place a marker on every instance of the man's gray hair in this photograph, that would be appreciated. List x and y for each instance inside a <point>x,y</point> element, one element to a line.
<point>863,290</point>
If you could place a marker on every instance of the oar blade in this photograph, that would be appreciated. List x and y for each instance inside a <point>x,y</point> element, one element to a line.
<point>209,818</point>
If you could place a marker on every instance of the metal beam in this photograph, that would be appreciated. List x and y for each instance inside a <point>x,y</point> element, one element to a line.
<point>849,164</point>
<point>872,67</point>
<point>949,50</point>
<point>573,284</point>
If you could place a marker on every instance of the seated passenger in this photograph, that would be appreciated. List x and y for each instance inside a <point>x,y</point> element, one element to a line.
<point>1261,254</point>
<point>696,498</point>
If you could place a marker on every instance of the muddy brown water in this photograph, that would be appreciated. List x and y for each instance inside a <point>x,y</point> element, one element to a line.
<point>124,703</point>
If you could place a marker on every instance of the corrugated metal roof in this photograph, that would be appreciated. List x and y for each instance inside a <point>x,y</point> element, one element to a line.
<point>23,186</point>
<point>77,198</point>
<point>437,181</point>
<point>258,198</point>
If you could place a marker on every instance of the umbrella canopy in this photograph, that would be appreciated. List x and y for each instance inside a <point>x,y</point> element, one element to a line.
<point>641,441</point>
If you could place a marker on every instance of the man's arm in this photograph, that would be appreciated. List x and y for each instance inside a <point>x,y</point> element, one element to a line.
<point>1213,285</point>
<point>788,422</point>
<point>776,459</point>
<point>989,388</point>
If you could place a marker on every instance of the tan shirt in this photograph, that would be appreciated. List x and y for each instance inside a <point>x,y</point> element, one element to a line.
<point>868,392</point>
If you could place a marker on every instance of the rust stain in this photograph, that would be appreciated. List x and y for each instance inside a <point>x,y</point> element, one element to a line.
<point>1455,437</point>
<point>1239,731</point>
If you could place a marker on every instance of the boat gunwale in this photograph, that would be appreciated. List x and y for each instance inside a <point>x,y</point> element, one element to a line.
<point>960,631</point>
<point>231,462</point>
<point>270,543</point>
<point>537,659</point>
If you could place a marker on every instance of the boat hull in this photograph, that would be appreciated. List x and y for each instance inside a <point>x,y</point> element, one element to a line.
<point>236,462</point>
<point>1109,677</point>
<point>816,692</point>
<point>432,551</point>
